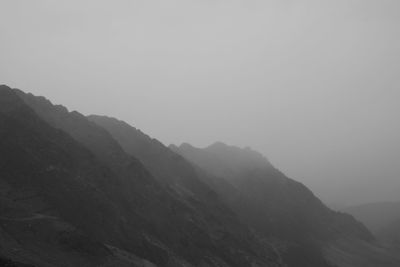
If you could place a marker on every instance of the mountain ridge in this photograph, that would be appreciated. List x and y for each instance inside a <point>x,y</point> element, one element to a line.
<point>126,135</point>
<point>164,226</point>
<point>103,187</point>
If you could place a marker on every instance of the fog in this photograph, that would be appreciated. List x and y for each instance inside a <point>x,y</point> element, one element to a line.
<point>314,85</point>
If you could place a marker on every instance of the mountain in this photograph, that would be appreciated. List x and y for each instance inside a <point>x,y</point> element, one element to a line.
<point>281,208</point>
<point>297,244</point>
<point>72,197</point>
<point>382,218</point>
<point>52,210</point>
<point>376,216</point>
<point>95,191</point>
<point>171,167</point>
<point>168,167</point>
<point>295,211</point>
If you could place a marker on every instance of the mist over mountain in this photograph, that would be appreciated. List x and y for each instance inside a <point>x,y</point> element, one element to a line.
<point>241,166</point>
<point>95,191</point>
<point>382,219</point>
<point>109,197</point>
<point>275,205</point>
<point>376,216</point>
<point>176,133</point>
<point>311,84</point>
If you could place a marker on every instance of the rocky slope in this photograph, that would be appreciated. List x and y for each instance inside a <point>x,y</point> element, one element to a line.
<point>283,212</point>
<point>52,209</point>
<point>281,208</point>
<point>62,172</point>
<point>95,191</point>
<point>296,211</point>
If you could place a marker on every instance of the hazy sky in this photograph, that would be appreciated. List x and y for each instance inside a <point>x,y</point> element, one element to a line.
<point>314,85</point>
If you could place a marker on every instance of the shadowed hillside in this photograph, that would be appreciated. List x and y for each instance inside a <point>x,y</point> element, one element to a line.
<point>95,191</point>
<point>110,198</point>
<point>279,207</point>
<point>284,212</point>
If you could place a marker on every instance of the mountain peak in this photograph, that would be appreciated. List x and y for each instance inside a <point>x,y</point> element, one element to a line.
<point>4,87</point>
<point>9,101</point>
<point>186,146</point>
<point>217,145</point>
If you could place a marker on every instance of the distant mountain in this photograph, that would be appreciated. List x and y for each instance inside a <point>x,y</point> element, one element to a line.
<point>279,207</point>
<point>297,246</point>
<point>172,169</point>
<point>382,218</point>
<point>376,216</point>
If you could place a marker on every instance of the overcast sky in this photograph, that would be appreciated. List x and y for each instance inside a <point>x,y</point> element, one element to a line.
<point>312,84</point>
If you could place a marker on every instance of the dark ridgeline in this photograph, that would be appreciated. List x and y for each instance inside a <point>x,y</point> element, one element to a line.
<point>62,172</point>
<point>94,191</point>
